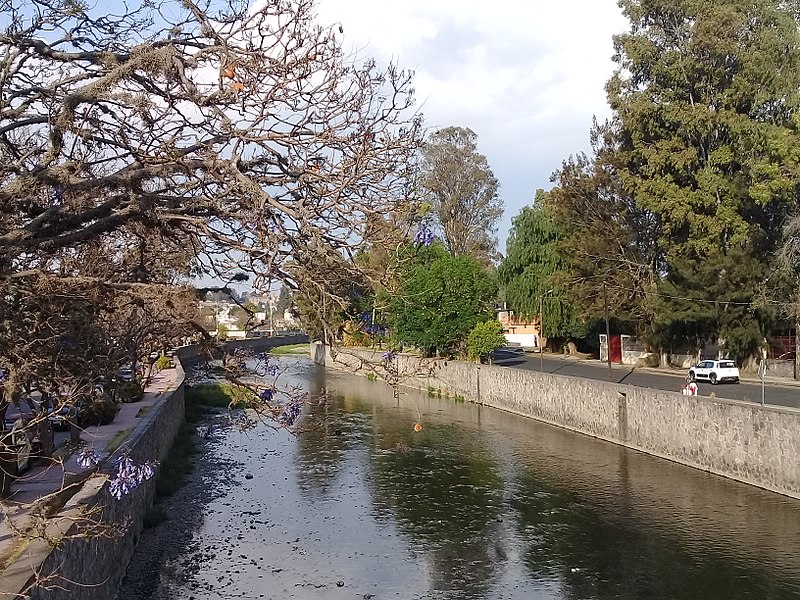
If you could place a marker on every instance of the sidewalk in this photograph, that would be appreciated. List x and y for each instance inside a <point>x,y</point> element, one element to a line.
<point>48,477</point>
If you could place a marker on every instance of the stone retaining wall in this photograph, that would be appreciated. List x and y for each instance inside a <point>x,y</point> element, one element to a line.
<point>193,353</point>
<point>744,441</point>
<point>92,567</point>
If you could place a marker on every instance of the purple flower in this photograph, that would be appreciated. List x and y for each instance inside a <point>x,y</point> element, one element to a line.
<point>290,413</point>
<point>267,394</point>
<point>424,235</point>
<point>129,476</point>
<point>58,195</point>
<point>88,458</point>
<point>388,356</point>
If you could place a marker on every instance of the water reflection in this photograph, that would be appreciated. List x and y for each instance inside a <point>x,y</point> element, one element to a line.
<point>483,504</point>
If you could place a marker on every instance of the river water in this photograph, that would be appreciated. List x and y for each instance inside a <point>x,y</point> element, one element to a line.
<point>479,504</point>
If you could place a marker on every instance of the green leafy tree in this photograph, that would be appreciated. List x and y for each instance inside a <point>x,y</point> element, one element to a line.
<point>705,127</point>
<point>683,205</point>
<point>439,300</point>
<point>284,301</point>
<point>531,273</point>
<point>464,193</point>
<point>484,339</point>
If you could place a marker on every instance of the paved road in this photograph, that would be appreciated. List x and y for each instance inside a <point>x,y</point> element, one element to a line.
<point>775,393</point>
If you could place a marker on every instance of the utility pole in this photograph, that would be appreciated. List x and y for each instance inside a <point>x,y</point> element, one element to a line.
<point>608,331</point>
<point>541,333</point>
<point>541,330</point>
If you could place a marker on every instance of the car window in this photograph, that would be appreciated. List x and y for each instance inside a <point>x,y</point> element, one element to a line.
<point>704,365</point>
<point>727,364</point>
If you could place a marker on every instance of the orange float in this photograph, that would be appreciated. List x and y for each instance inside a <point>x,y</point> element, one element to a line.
<point>417,426</point>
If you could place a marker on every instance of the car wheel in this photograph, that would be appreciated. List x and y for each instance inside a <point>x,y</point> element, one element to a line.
<point>713,378</point>
<point>691,376</point>
<point>737,380</point>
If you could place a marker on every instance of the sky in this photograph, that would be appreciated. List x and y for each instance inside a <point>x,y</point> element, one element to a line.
<point>527,76</point>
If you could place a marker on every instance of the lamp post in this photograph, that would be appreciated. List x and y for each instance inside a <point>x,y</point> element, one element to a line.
<point>541,329</point>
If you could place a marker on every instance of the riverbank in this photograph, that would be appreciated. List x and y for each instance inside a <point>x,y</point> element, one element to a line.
<point>757,445</point>
<point>155,562</point>
<point>80,542</point>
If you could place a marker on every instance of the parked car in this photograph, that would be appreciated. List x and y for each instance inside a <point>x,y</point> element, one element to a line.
<point>61,416</point>
<point>15,445</point>
<point>25,436</point>
<point>126,373</point>
<point>715,371</point>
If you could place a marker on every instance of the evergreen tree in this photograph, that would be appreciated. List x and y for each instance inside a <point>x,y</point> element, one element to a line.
<point>698,166</point>
<point>705,126</point>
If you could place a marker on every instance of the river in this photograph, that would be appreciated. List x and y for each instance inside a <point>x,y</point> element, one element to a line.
<point>479,504</point>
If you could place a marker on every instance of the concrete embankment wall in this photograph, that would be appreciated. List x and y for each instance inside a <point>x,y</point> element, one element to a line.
<point>189,355</point>
<point>744,441</point>
<point>92,567</point>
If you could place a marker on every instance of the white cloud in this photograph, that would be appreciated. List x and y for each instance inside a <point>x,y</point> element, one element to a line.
<point>526,75</point>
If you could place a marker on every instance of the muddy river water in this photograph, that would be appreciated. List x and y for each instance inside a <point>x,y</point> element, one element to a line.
<point>479,504</point>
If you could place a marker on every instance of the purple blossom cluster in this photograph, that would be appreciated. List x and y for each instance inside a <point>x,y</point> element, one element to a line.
<point>88,458</point>
<point>425,235</point>
<point>290,413</point>
<point>372,328</point>
<point>388,356</point>
<point>267,394</point>
<point>3,375</point>
<point>129,476</point>
<point>265,367</point>
<point>58,195</point>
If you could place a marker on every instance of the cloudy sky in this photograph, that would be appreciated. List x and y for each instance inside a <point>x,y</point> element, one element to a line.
<point>526,75</point>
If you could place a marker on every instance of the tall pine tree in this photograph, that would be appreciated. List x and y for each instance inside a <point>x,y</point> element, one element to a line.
<point>702,143</point>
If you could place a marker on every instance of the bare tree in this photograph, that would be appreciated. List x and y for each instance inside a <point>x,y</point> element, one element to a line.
<point>464,193</point>
<point>142,148</point>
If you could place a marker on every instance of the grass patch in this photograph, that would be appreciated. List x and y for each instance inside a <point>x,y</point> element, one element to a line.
<point>179,463</point>
<point>290,349</point>
<point>117,440</point>
<point>200,400</point>
<point>371,376</point>
<point>143,411</point>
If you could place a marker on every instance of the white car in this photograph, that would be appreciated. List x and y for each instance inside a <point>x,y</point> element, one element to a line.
<point>715,371</point>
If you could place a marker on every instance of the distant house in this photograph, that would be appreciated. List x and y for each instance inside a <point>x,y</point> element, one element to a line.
<point>527,334</point>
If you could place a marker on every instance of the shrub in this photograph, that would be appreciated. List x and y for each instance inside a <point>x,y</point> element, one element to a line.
<point>98,411</point>
<point>163,362</point>
<point>484,339</point>
<point>129,391</point>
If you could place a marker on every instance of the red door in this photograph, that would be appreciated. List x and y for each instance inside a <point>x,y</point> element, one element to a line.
<point>616,349</point>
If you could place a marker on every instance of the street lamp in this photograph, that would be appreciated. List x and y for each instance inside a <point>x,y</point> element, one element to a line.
<point>541,329</point>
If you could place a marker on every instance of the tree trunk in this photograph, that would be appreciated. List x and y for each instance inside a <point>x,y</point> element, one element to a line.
<point>796,354</point>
